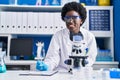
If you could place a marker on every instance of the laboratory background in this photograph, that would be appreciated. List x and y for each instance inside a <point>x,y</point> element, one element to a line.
<point>35,21</point>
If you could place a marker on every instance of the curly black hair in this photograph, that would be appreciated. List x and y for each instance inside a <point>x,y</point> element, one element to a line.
<point>76,7</point>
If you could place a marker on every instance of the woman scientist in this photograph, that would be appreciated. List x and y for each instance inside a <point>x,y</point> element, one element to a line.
<point>74,15</point>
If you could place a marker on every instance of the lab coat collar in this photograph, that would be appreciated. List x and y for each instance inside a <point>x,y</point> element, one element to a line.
<point>67,32</point>
<point>67,35</point>
<point>82,32</point>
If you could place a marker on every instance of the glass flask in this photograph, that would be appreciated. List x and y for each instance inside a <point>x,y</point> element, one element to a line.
<point>47,2</point>
<point>55,2</point>
<point>2,63</point>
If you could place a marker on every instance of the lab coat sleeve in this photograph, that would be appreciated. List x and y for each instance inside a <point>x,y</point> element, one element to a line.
<point>52,57</point>
<point>92,52</point>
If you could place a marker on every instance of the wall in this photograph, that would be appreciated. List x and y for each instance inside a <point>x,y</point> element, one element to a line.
<point>116,4</point>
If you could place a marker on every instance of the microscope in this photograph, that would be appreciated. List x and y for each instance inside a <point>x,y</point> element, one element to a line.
<point>78,56</point>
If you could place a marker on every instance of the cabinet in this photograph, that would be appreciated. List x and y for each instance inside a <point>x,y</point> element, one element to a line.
<point>46,20</point>
<point>100,23</point>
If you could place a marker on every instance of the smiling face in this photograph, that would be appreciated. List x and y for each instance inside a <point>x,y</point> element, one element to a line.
<point>73,21</point>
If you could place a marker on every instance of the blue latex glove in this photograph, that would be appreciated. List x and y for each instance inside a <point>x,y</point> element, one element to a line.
<point>40,65</point>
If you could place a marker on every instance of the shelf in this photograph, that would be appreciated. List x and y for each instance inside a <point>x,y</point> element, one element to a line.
<point>100,65</point>
<point>28,62</point>
<point>40,8</point>
<point>30,8</point>
<point>20,62</point>
<point>109,62</point>
<point>102,33</point>
<point>32,63</point>
<point>99,7</point>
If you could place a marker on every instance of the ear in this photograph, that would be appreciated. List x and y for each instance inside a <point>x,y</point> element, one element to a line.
<point>81,21</point>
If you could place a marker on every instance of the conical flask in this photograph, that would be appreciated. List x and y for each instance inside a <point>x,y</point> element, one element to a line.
<point>2,63</point>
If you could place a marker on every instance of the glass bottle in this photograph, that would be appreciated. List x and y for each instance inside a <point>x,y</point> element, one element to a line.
<point>47,2</point>
<point>2,63</point>
<point>38,2</point>
<point>55,2</point>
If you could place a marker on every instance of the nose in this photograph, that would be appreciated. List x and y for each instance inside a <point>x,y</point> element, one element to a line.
<point>70,20</point>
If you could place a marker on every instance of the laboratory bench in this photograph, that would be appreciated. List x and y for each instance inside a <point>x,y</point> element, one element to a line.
<point>60,75</point>
<point>31,65</point>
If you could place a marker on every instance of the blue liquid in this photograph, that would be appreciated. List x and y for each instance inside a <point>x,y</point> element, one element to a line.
<point>2,68</point>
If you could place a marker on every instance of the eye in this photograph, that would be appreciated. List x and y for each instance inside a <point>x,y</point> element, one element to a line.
<point>67,17</point>
<point>75,17</point>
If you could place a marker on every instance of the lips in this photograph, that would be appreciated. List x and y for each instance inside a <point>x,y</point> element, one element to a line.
<point>71,27</point>
<point>70,24</point>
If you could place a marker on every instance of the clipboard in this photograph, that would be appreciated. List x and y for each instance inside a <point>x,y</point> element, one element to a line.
<point>39,73</point>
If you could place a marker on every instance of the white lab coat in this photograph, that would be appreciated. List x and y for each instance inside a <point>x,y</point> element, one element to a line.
<point>61,46</point>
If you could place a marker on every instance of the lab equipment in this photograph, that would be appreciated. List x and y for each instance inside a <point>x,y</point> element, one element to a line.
<point>38,2</point>
<point>55,2</point>
<point>47,2</point>
<point>63,2</point>
<point>21,48</point>
<point>115,73</point>
<point>41,66</point>
<point>2,63</point>
<point>78,57</point>
<point>40,51</point>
